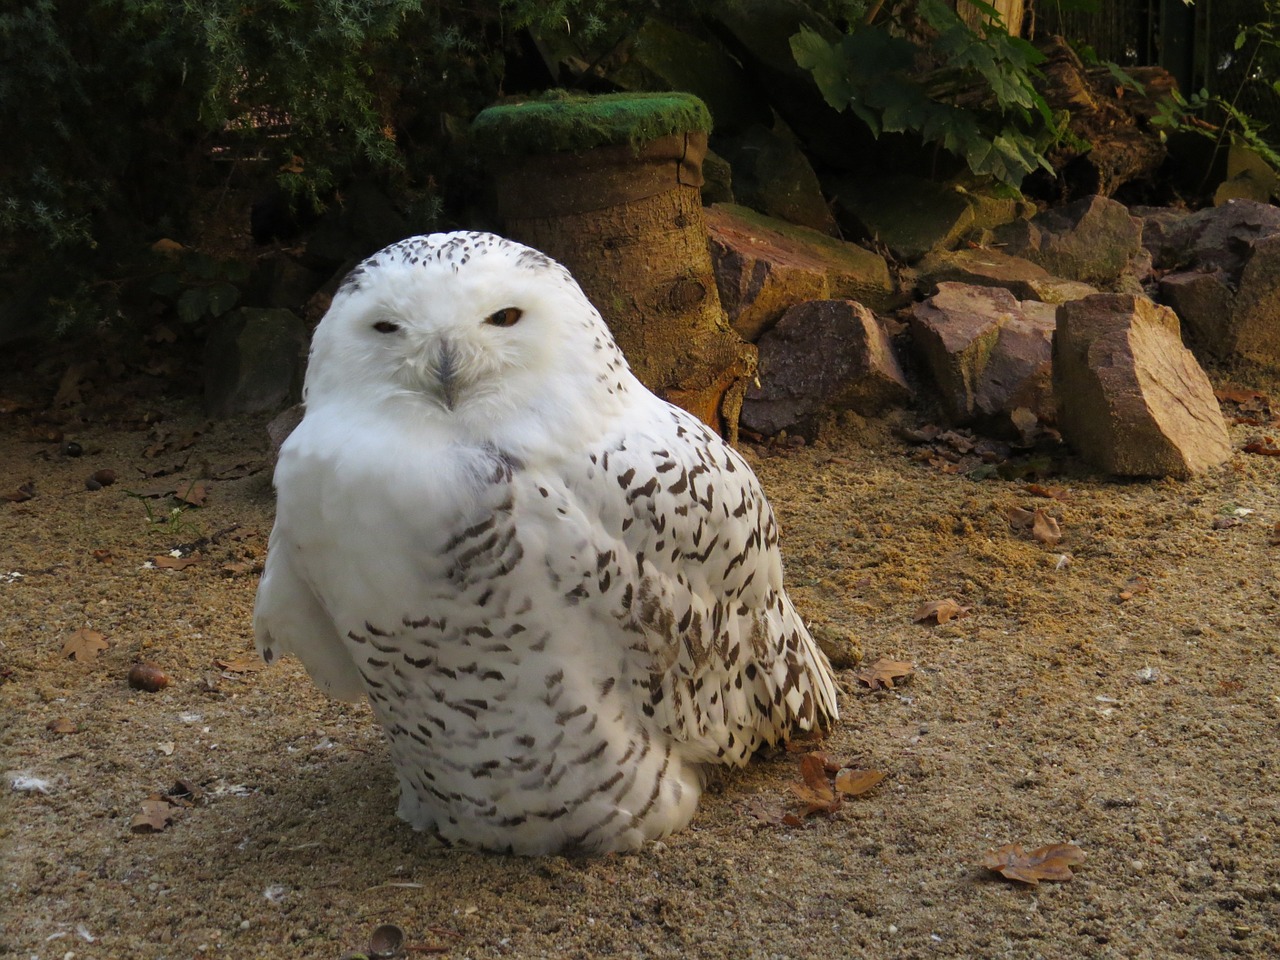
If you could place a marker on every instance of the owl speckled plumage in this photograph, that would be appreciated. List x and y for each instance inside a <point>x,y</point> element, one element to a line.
<point>562,595</point>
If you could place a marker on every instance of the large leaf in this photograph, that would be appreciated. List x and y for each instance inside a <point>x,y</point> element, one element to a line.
<point>827,63</point>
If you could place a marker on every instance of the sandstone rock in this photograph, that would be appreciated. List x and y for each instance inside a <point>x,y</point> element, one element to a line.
<point>763,266</point>
<point>1202,299</point>
<point>1229,298</point>
<point>982,267</point>
<point>1092,240</point>
<point>1056,290</point>
<point>1161,227</point>
<point>909,215</point>
<point>989,353</point>
<point>824,354</point>
<point>1216,237</point>
<point>253,361</point>
<point>1131,399</point>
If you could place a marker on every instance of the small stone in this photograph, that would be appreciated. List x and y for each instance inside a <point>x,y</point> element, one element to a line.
<point>148,677</point>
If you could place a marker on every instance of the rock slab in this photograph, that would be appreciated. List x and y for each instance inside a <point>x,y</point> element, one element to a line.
<point>254,361</point>
<point>824,354</point>
<point>1131,399</point>
<point>763,266</point>
<point>1225,283</point>
<point>989,353</point>
<point>1093,240</point>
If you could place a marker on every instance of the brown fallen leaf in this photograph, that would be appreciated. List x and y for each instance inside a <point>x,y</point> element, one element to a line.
<point>1266,446</point>
<point>1045,528</point>
<point>939,611</point>
<point>1020,518</point>
<point>84,645</point>
<point>815,789</point>
<point>1052,493</point>
<point>25,492</point>
<point>854,783</point>
<point>195,493</point>
<point>246,663</point>
<point>1052,862</point>
<point>1132,587</point>
<point>157,813</point>
<point>1238,394</point>
<point>882,674</point>
<point>166,561</point>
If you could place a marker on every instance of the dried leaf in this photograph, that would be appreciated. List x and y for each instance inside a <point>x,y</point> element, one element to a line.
<point>815,790</point>
<point>1020,518</point>
<point>194,493</point>
<point>69,387</point>
<point>22,494</point>
<point>1238,394</point>
<point>1266,446</point>
<point>245,663</point>
<point>237,471</point>
<point>166,561</point>
<point>854,783</point>
<point>155,816</point>
<point>1053,862</point>
<point>882,674</point>
<point>1052,493</point>
<point>939,611</point>
<point>84,645</point>
<point>1134,586</point>
<point>62,725</point>
<point>1045,528</point>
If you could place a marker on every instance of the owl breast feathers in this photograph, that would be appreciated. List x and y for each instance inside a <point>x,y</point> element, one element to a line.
<point>562,595</point>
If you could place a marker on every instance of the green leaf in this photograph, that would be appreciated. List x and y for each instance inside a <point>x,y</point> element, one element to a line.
<point>165,285</point>
<point>193,304</point>
<point>829,68</point>
<point>220,298</point>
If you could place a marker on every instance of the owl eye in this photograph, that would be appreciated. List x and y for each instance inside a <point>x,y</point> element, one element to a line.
<point>386,326</point>
<point>507,317</point>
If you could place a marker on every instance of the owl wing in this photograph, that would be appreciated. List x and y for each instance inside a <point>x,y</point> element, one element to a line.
<point>689,562</point>
<point>288,616</point>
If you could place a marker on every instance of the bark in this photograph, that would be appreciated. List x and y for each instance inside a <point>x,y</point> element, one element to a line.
<point>644,262</point>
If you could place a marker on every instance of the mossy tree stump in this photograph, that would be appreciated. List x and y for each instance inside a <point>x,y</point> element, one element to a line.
<point>609,186</point>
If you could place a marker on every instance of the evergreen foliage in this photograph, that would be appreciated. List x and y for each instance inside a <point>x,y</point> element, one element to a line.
<point>112,109</point>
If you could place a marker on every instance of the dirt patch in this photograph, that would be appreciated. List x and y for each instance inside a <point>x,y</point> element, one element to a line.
<point>1142,729</point>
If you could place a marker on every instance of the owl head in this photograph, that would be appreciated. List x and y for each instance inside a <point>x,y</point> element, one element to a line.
<point>468,332</point>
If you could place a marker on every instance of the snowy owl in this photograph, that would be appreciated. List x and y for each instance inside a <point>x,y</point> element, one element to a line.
<point>562,595</point>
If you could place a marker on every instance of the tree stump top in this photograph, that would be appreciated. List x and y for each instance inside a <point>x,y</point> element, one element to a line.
<point>563,122</point>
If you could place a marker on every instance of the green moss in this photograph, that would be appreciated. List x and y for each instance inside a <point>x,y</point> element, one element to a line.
<point>563,122</point>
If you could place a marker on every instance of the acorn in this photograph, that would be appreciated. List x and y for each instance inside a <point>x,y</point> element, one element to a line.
<point>148,677</point>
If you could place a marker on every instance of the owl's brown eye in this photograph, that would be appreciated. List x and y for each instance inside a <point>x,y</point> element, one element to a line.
<point>386,326</point>
<point>507,317</point>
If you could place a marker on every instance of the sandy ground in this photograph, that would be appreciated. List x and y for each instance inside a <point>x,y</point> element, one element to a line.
<point>1142,729</point>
